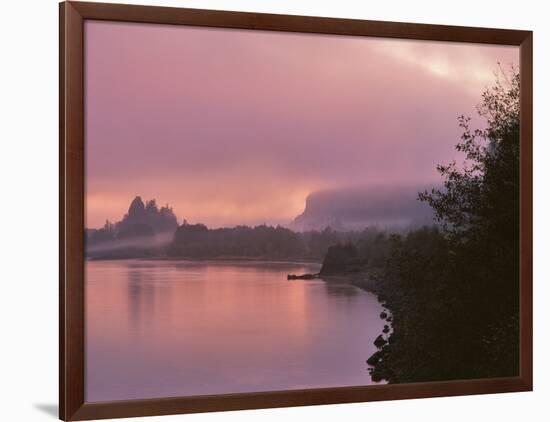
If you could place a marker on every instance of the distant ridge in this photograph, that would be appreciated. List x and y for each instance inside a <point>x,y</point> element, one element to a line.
<point>143,228</point>
<point>355,208</point>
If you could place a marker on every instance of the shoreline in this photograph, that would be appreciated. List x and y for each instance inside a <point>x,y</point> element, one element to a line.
<point>235,259</point>
<point>364,283</point>
<point>375,363</point>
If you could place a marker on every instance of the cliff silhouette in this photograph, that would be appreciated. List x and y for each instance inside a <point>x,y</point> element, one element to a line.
<point>142,230</point>
<point>354,208</point>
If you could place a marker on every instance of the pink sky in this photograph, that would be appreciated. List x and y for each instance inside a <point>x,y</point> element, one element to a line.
<point>238,127</point>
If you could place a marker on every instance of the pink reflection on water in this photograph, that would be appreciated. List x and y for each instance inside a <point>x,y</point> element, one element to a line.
<point>174,328</point>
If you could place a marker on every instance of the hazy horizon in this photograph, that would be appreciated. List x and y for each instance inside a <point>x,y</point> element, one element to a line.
<point>239,127</point>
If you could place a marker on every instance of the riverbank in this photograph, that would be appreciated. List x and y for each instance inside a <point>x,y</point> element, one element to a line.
<point>365,281</point>
<point>213,259</point>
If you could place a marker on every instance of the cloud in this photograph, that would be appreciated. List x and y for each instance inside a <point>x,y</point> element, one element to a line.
<point>237,126</point>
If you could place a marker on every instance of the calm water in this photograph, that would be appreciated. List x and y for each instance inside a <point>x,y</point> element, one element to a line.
<point>175,328</point>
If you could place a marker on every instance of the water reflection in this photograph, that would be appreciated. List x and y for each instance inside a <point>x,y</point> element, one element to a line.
<point>341,290</point>
<point>172,328</point>
<point>141,296</point>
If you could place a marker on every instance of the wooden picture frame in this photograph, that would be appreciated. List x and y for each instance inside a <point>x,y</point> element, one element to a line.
<point>72,405</point>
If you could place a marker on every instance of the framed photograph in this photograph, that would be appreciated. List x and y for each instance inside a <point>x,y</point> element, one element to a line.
<point>268,210</point>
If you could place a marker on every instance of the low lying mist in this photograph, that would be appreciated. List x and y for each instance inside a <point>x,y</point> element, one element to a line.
<point>354,208</point>
<point>156,241</point>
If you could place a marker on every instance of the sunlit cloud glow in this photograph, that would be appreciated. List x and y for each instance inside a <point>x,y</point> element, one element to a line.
<point>238,127</point>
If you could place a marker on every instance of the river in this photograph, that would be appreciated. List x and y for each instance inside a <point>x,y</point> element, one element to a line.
<point>181,328</point>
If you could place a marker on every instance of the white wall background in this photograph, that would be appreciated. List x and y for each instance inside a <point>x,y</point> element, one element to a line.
<point>28,207</point>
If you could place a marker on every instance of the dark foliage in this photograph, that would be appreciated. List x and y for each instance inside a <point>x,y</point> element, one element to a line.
<point>453,290</point>
<point>342,258</point>
<point>456,313</point>
<point>269,242</point>
<point>197,241</point>
<point>136,235</point>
